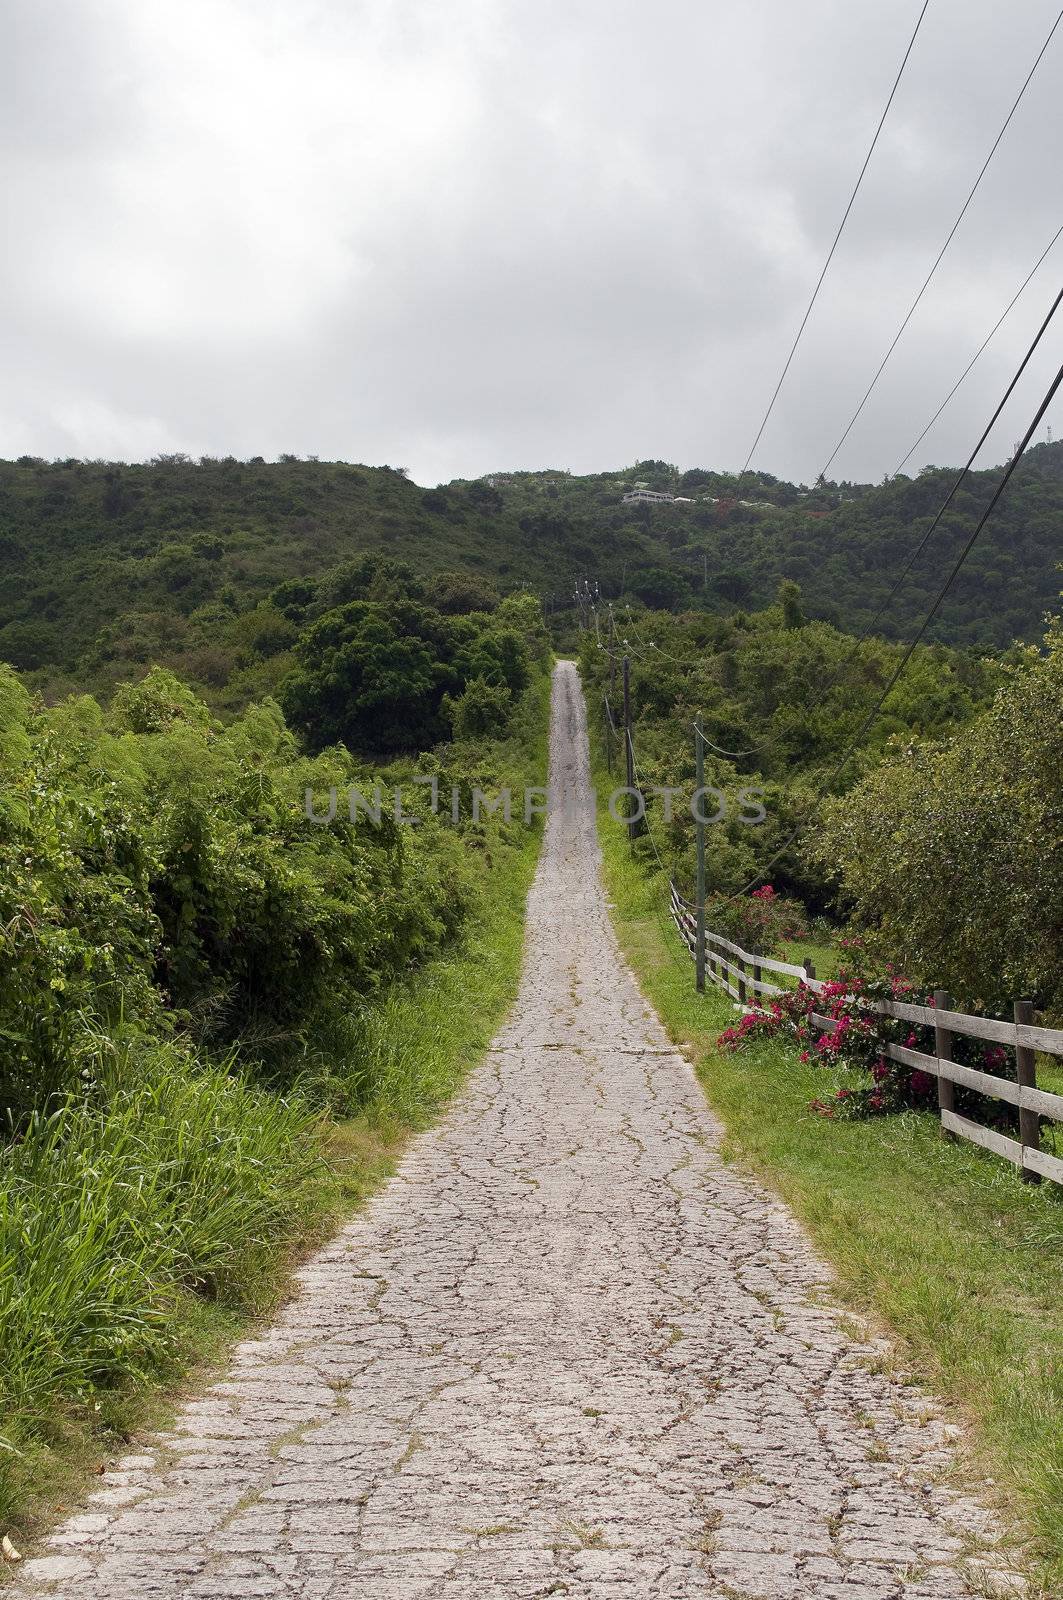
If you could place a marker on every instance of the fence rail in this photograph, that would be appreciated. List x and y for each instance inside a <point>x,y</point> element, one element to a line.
<point>1021,1036</point>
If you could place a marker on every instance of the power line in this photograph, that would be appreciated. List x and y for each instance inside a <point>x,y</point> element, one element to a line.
<point>884,605</point>
<point>981,348</point>
<point>837,237</point>
<point>962,475</point>
<point>938,259</point>
<point>912,558</point>
<point>1020,450</point>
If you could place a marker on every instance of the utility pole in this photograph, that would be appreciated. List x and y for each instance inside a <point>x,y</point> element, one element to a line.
<point>612,659</point>
<point>612,696</point>
<point>628,751</point>
<point>699,834</point>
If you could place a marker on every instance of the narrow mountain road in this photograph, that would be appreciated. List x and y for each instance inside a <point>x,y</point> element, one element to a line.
<point>567,1351</point>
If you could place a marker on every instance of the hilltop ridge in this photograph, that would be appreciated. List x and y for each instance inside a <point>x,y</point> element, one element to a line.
<point>105,567</point>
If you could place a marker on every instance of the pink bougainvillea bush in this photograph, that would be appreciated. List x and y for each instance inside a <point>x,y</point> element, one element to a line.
<point>854,1046</point>
<point>759,922</point>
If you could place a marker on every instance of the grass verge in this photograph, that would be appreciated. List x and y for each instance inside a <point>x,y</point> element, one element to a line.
<point>940,1242</point>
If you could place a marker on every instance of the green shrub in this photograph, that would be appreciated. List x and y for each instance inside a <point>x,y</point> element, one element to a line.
<point>952,854</point>
<point>159,871</point>
<point>481,711</point>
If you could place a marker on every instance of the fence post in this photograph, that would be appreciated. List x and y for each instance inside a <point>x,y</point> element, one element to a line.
<point>608,736</point>
<point>628,751</point>
<point>943,1051</point>
<point>1026,1072</point>
<point>740,972</point>
<point>809,966</point>
<point>699,834</point>
<point>756,980</point>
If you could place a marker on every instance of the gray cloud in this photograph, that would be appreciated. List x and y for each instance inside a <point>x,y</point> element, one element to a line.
<point>494,234</point>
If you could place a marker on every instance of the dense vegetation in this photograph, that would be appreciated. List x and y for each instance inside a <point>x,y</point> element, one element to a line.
<point>780,700</point>
<point>938,839</point>
<point>106,568</point>
<point>195,970</point>
<point>950,856</point>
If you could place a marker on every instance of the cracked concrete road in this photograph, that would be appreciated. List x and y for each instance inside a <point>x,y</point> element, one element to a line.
<point>567,1351</point>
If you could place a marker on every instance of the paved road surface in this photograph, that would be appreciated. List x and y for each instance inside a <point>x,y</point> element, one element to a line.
<point>567,1351</point>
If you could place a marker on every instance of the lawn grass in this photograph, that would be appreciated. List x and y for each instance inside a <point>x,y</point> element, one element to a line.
<point>417,1045</point>
<point>826,958</point>
<point>939,1241</point>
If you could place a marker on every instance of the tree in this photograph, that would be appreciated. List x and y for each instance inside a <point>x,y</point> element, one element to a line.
<point>952,854</point>
<point>28,645</point>
<point>482,711</point>
<point>790,600</point>
<point>456,592</point>
<point>371,677</point>
<point>656,586</point>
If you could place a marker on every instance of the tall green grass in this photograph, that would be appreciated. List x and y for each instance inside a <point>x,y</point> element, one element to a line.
<point>166,1177</point>
<point>939,1241</point>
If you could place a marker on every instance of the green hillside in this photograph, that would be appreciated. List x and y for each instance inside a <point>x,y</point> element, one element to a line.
<point>106,567</point>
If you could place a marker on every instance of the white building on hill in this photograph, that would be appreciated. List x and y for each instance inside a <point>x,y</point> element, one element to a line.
<point>647,497</point>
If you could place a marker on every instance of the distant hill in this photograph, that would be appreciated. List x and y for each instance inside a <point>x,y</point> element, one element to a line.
<point>106,567</point>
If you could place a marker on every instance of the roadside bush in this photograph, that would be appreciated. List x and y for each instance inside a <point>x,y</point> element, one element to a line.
<point>482,711</point>
<point>760,922</point>
<point>951,855</point>
<point>159,871</point>
<point>867,1081</point>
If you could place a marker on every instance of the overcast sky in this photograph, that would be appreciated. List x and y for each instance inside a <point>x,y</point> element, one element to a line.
<point>471,235</point>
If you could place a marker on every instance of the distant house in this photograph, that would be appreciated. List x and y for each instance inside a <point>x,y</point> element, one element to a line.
<point>726,504</point>
<point>647,497</point>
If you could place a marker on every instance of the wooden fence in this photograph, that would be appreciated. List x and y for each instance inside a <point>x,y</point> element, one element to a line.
<point>741,973</point>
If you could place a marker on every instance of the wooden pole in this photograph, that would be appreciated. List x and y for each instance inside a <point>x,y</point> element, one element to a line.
<point>608,738</point>
<point>943,1051</point>
<point>628,751</point>
<point>1026,1072</point>
<point>699,834</point>
<point>612,682</point>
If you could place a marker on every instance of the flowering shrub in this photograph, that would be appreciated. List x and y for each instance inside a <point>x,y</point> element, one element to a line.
<point>854,1046</point>
<point>759,922</point>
